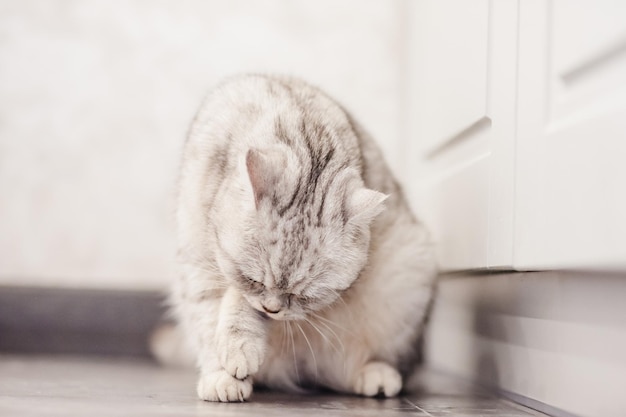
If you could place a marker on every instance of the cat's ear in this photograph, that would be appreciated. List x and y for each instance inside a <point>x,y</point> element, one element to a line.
<point>364,204</point>
<point>264,168</point>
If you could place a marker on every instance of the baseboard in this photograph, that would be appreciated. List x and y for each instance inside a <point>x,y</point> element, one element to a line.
<point>72,321</point>
<point>555,339</point>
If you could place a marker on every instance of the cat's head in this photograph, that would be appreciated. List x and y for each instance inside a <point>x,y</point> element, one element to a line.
<point>305,237</point>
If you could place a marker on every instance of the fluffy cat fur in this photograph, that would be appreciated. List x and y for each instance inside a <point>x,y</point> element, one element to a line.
<point>302,265</point>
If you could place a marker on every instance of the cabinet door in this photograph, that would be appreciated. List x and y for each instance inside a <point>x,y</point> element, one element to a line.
<point>461,102</point>
<point>571,151</point>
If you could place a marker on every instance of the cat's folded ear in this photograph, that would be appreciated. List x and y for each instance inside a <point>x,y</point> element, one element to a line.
<point>265,167</point>
<point>363,204</point>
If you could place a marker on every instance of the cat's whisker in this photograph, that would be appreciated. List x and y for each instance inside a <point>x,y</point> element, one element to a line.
<point>340,298</point>
<point>343,302</point>
<point>343,348</point>
<point>216,287</point>
<point>326,339</point>
<point>201,267</point>
<point>310,348</point>
<point>214,283</point>
<point>283,338</point>
<point>335,335</point>
<point>324,319</point>
<point>293,347</point>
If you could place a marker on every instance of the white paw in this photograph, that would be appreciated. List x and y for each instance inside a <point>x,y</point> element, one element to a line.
<point>241,357</point>
<point>378,378</point>
<point>220,386</point>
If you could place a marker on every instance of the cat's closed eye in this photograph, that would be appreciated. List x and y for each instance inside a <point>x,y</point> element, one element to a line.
<point>302,299</point>
<point>251,283</point>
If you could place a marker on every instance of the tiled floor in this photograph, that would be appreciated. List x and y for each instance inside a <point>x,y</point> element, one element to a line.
<point>62,386</point>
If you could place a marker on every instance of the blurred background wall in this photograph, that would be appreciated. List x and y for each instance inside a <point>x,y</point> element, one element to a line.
<point>96,97</point>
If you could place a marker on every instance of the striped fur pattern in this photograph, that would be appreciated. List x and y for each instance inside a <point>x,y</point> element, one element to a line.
<point>301,263</point>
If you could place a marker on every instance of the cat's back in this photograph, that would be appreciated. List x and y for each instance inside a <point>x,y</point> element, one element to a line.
<point>231,119</point>
<point>260,111</point>
<point>241,100</point>
<point>243,105</point>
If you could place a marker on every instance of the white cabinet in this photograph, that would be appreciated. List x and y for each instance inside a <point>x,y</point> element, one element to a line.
<point>517,127</point>
<point>571,136</point>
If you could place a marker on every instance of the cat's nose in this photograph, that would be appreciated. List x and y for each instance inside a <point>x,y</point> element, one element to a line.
<point>271,310</point>
<point>272,304</point>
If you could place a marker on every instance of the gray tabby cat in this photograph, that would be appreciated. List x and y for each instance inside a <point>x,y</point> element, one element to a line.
<point>302,264</point>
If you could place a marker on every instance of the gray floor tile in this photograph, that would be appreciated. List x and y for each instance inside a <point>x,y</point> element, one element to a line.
<point>62,386</point>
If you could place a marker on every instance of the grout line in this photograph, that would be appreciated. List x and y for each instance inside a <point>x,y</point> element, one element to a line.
<point>537,407</point>
<point>418,407</point>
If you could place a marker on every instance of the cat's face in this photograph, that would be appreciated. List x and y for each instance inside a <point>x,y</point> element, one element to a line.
<point>293,262</point>
<point>301,272</point>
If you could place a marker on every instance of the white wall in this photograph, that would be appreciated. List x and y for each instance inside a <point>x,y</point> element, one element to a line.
<point>96,96</point>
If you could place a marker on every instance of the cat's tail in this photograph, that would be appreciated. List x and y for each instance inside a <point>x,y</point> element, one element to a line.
<point>168,346</point>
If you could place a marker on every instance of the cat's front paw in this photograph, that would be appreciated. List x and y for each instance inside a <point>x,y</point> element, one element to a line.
<point>378,378</point>
<point>223,387</point>
<point>241,358</point>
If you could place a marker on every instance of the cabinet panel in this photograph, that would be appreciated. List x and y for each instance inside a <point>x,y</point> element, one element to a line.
<point>461,128</point>
<point>587,46</point>
<point>457,209</point>
<point>572,120</point>
<point>584,32</point>
<point>450,40</point>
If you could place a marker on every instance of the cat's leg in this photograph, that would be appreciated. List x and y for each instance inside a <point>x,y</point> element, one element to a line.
<point>198,301</point>
<point>378,378</point>
<point>239,350</point>
<point>214,382</point>
<point>240,336</point>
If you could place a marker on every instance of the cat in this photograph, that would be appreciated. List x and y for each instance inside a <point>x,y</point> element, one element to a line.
<point>301,263</point>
